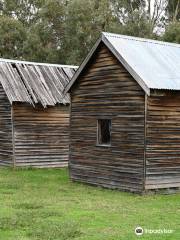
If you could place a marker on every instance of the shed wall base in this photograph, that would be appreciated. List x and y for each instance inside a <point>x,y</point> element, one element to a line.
<point>106,186</point>
<point>166,191</point>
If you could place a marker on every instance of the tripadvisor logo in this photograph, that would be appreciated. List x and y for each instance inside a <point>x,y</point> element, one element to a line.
<point>139,231</point>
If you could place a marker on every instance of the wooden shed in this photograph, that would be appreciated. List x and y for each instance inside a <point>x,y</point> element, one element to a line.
<point>34,114</point>
<point>125,115</point>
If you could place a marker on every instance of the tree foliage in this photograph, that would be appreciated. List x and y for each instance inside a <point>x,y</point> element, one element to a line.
<point>85,20</point>
<point>63,31</point>
<point>173,10</point>
<point>172,33</point>
<point>12,37</point>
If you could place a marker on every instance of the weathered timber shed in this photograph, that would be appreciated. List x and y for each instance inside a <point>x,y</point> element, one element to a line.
<point>34,114</point>
<point>125,115</point>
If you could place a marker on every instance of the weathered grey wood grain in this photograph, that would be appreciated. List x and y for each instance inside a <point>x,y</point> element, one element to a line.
<point>6,147</point>
<point>33,83</point>
<point>41,136</point>
<point>163,141</point>
<point>34,114</point>
<point>106,89</point>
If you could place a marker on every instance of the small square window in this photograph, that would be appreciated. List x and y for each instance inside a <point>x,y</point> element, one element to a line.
<point>104,132</point>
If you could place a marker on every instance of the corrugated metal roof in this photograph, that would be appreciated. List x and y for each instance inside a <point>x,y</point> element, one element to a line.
<point>35,82</point>
<point>157,63</point>
<point>154,64</point>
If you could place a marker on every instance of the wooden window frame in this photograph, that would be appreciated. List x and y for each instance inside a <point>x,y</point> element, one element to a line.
<point>98,133</point>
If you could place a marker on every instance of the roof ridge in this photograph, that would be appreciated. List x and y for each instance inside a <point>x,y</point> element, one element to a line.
<point>115,35</point>
<point>36,63</point>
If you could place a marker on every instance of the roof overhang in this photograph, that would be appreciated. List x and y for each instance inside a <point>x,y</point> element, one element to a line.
<point>35,83</point>
<point>36,63</point>
<point>117,55</point>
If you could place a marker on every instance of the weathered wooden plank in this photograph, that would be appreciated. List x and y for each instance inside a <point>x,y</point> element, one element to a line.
<point>6,149</point>
<point>41,136</point>
<point>106,89</point>
<point>163,142</point>
<point>34,83</point>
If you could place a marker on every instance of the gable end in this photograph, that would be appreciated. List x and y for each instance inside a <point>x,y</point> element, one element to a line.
<point>101,40</point>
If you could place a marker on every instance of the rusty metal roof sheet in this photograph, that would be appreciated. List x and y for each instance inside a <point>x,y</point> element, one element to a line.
<point>35,82</point>
<point>154,64</point>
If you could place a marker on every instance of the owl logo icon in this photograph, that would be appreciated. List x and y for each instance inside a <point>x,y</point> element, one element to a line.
<point>139,231</point>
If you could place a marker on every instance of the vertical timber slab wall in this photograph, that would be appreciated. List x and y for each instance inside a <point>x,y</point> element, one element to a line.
<point>163,142</point>
<point>6,148</point>
<point>41,135</point>
<point>106,90</point>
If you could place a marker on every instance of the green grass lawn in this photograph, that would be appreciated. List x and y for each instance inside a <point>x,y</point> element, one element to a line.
<point>44,204</point>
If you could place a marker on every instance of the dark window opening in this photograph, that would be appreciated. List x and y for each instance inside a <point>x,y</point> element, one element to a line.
<point>104,132</point>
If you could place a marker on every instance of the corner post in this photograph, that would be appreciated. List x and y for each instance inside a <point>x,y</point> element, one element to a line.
<point>13,140</point>
<point>145,139</point>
